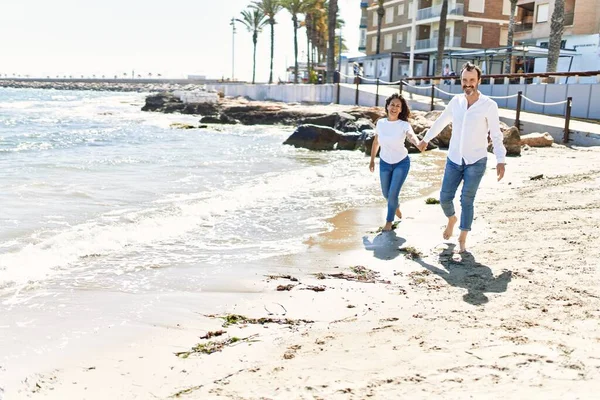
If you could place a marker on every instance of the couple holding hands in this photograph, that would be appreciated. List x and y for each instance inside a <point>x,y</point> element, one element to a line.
<point>473,115</point>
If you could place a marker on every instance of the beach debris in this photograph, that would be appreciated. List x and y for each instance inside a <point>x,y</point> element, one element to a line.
<point>410,252</point>
<point>283,309</point>
<point>186,391</point>
<point>281,288</point>
<point>181,125</point>
<point>236,319</point>
<point>213,347</point>
<point>432,200</point>
<point>380,229</point>
<point>315,288</point>
<point>275,277</point>
<point>359,274</point>
<point>211,334</point>
<point>536,177</point>
<point>291,352</point>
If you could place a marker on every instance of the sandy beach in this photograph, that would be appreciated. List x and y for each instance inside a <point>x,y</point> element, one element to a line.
<point>367,316</point>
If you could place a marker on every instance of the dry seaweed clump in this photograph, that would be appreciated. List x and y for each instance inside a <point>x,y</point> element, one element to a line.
<point>411,252</point>
<point>213,347</point>
<point>431,200</point>
<point>359,274</point>
<point>236,319</point>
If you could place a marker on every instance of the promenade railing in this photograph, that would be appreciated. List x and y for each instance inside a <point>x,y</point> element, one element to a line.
<point>430,88</point>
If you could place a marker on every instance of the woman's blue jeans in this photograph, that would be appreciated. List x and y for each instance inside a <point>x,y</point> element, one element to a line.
<point>471,176</point>
<point>392,178</point>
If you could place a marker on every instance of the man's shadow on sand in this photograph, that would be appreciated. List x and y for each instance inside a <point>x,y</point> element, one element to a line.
<point>465,272</point>
<point>385,245</point>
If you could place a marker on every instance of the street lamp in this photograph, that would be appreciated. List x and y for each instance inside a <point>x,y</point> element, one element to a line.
<point>232,23</point>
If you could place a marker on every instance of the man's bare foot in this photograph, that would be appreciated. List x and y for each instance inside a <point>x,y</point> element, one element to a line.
<point>462,241</point>
<point>398,213</point>
<point>450,227</point>
<point>387,227</point>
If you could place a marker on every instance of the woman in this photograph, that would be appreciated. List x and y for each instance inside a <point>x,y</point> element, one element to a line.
<point>394,164</point>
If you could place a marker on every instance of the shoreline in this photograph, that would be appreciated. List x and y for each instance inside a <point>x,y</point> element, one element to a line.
<point>516,318</point>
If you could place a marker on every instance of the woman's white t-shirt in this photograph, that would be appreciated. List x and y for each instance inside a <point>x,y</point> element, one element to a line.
<point>392,135</point>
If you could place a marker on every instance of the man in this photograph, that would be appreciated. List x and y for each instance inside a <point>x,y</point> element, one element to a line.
<point>472,115</point>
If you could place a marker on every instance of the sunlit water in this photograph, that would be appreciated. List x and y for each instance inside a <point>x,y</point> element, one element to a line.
<point>99,197</point>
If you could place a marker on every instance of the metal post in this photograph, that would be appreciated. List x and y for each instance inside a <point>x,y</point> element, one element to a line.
<point>377,94</point>
<point>338,89</point>
<point>402,84</point>
<point>518,116</point>
<point>356,96</point>
<point>432,93</point>
<point>567,120</point>
<point>232,49</point>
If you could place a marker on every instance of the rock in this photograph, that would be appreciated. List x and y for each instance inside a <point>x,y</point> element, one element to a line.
<point>180,125</point>
<point>348,140</point>
<point>321,120</point>
<point>537,139</point>
<point>512,142</point>
<point>365,141</point>
<point>315,137</point>
<point>163,102</point>
<point>345,122</point>
<point>364,124</point>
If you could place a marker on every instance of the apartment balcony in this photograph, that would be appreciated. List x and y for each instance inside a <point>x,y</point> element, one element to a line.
<point>523,26</point>
<point>426,44</point>
<point>436,11</point>
<point>364,4</point>
<point>569,19</point>
<point>363,22</point>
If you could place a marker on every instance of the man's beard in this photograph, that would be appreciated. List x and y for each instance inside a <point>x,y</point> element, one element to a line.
<point>469,89</point>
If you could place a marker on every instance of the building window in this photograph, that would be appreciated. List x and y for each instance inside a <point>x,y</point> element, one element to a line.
<point>474,34</point>
<point>506,7</point>
<point>389,15</point>
<point>410,10</point>
<point>375,18</point>
<point>542,13</point>
<point>374,43</point>
<point>476,6</point>
<point>401,9</point>
<point>387,41</point>
<point>399,37</point>
<point>363,38</point>
<point>503,36</point>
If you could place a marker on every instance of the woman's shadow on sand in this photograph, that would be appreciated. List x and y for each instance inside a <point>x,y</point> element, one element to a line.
<point>385,245</point>
<point>462,270</point>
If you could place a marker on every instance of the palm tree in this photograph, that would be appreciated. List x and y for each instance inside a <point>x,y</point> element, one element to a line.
<point>380,14</point>
<point>270,8</point>
<point>441,39</point>
<point>254,20</point>
<point>557,27</point>
<point>294,7</point>
<point>510,36</point>
<point>331,24</point>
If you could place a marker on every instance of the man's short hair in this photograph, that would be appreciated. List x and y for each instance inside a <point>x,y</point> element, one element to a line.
<point>470,67</point>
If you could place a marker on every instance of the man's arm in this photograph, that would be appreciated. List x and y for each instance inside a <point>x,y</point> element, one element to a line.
<point>444,119</point>
<point>497,138</point>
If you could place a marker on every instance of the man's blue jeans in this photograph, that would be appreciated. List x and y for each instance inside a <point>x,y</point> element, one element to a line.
<point>392,178</point>
<point>471,176</point>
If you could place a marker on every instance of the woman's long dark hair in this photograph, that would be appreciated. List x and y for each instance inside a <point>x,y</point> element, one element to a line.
<point>405,113</point>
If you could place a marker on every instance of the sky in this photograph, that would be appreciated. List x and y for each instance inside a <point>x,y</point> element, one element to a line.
<point>173,38</point>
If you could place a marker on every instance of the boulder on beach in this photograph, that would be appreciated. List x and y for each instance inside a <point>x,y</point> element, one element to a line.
<point>537,139</point>
<point>512,142</point>
<point>315,137</point>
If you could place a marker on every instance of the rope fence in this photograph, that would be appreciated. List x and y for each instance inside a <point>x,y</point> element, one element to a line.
<point>433,88</point>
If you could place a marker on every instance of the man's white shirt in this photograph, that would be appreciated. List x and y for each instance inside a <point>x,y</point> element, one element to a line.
<point>470,127</point>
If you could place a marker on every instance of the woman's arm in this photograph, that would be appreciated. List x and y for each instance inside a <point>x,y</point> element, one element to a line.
<point>374,150</point>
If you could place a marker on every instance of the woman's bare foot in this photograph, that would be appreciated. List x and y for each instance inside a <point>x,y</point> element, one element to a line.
<point>387,227</point>
<point>398,213</point>
<point>450,227</point>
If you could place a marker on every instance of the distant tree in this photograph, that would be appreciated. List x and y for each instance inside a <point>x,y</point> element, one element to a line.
<point>254,20</point>
<point>441,39</point>
<point>557,27</point>
<point>510,36</point>
<point>270,8</point>
<point>331,24</point>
